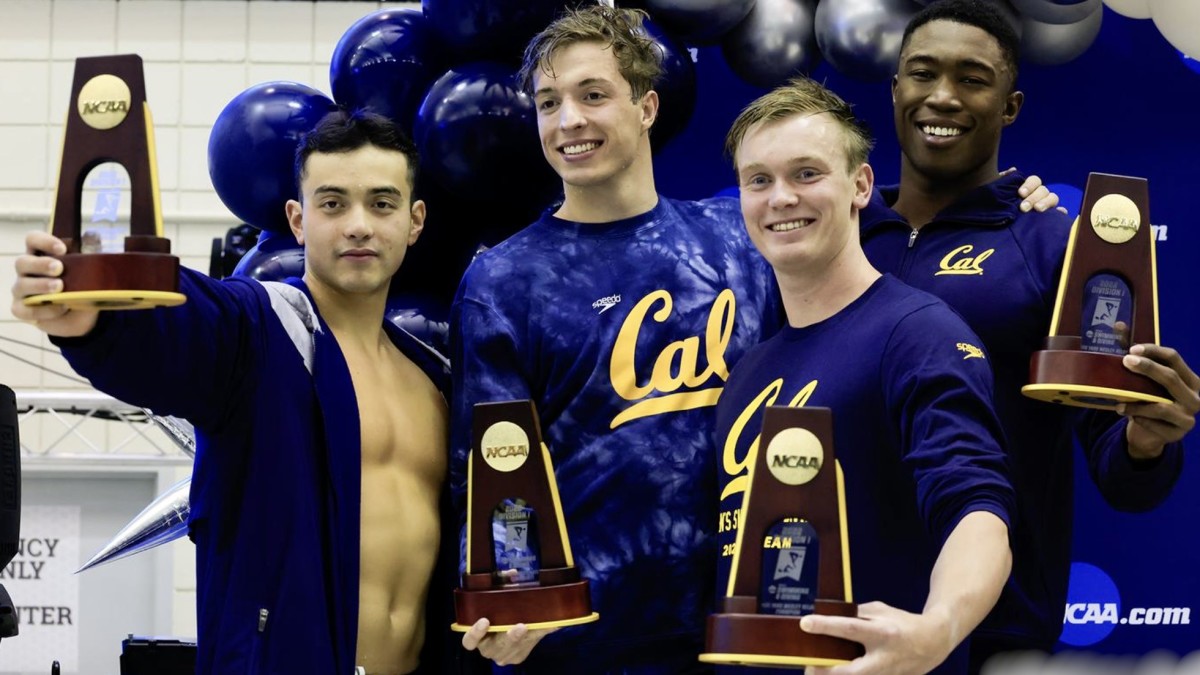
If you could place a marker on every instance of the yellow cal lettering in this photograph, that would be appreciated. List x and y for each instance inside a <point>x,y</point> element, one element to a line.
<point>965,265</point>
<point>739,467</point>
<point>622,368</point>
<point>677,365</point>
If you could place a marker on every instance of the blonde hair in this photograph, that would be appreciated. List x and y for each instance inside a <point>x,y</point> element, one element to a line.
<point>802,96</point>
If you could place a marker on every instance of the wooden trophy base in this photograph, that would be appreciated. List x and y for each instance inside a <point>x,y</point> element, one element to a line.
<point>775,640</point>
<point>554,606</point>
<point>108,281</point>
<point>1088,380</point>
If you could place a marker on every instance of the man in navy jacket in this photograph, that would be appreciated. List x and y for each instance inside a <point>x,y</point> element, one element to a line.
<point>321,429</point>
<point>954,228</point>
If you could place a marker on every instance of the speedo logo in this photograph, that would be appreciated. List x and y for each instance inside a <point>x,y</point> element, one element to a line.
<point>971,351</point>
<point>606,303</point>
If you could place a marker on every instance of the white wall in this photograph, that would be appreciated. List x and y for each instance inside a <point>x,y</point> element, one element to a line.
<point>198,55</point>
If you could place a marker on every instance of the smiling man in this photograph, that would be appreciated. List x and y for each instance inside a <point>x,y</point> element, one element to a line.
<point>927,496</point>
<point>321,430</point>
<point>954,227</point>
<point>619,314</point>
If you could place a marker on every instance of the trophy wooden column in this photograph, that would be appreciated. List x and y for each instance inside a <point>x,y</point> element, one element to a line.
<point>1110,244</point>
<point>795,478</point>
<point>508,460</point>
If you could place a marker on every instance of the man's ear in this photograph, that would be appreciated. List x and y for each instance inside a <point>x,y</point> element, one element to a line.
<point>417,212</point>
<point>295,216</point>
<point>864,182</point>
<point>1012,107</point>
<point>649,109</point>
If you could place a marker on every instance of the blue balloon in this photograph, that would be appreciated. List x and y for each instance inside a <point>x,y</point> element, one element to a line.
<point>490,29</point>
<point>384,63</point>
<point>676,88</point>
<point>477,134</point>
<point>252,149</point>
<point>275,257</point>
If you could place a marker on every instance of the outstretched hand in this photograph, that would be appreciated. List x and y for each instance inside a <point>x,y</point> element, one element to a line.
<point>897,642</point>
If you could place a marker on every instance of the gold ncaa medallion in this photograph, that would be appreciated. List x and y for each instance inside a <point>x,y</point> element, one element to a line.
<point>104,102</point>
<point>795,456</point>
<point>1115,218</point>
<point>505,446</point>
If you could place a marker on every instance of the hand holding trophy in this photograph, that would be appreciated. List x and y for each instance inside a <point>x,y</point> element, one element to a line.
<point>110,122</point>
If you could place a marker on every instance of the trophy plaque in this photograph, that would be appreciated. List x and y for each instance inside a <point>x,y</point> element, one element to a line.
<point>1107,301</point>
<point>110,122</point>
<point>792,555</point>
<point>519,567</point>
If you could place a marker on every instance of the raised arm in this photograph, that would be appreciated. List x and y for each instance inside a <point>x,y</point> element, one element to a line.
<point>186,361</point>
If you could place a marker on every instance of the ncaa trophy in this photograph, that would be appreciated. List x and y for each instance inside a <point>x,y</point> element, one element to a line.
<point>519,567</point>
<point>109,121</point>
<point>792,555</point>
<point>1107,301</point>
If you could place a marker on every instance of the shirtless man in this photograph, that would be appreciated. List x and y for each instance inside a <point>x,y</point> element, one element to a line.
<point>322,430</point>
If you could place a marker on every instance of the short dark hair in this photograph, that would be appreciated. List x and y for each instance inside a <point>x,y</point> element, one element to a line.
<point>978,13</point>
<point>344,131</point>
<point>639,59</point>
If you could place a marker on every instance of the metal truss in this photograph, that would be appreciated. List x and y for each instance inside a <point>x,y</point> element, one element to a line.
<point>69,438</point>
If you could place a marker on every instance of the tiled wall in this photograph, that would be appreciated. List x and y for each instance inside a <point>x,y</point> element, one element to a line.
<point>198,55</point>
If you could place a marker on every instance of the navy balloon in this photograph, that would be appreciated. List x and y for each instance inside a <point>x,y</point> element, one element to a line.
<point>776,41</point>
<point>252,149</point>
<point>422,316</point>
<point>697,21</point>
<point>385,62</point>
<point>676,88</point>
<point>490,29</point>
<point>275,257</point>
<point>477,134</point>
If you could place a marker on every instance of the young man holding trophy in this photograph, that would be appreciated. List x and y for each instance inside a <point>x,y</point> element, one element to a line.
<point>927,498</point>
<point>321,429</point>
<point>953,228</point>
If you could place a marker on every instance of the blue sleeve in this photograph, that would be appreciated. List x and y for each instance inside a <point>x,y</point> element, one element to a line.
<point>939,395</point>
<point>488,365</point>
<point>1125,483</point>
<point>189,361</point>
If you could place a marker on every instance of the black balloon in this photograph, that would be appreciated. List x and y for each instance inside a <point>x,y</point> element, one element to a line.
<point>477,133</point>
<point>696,21</point>
<point>1057,11</point>
<point>252,149</point>
<point>861,38</point>
<point>676,88</point>
<point>776,41</point>
<point>490,29</point>
<point>423,316</point>
<point>385,62</point>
